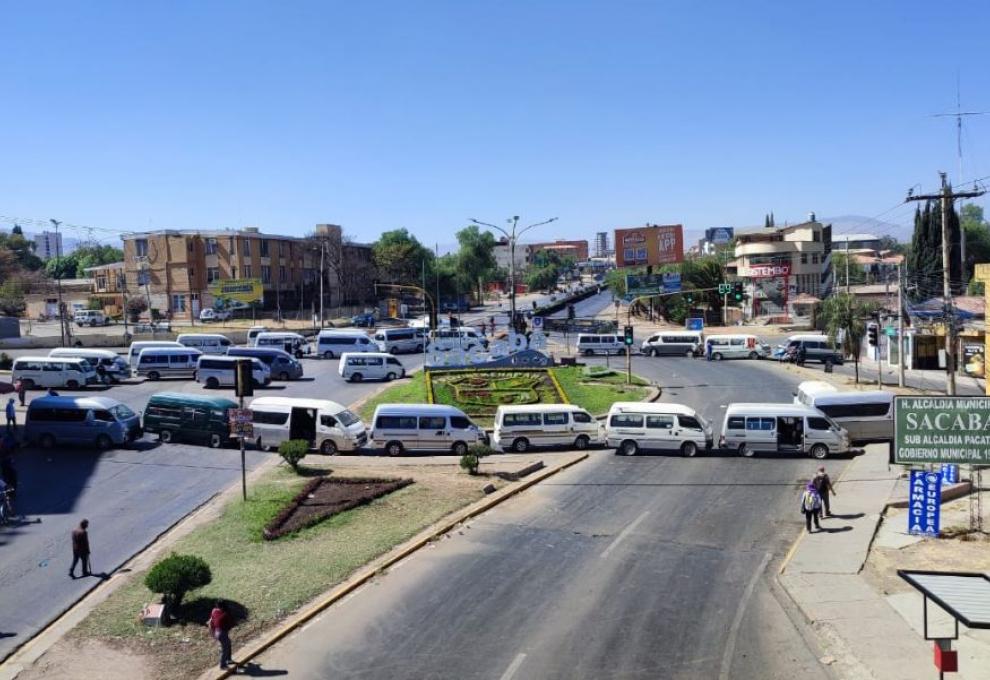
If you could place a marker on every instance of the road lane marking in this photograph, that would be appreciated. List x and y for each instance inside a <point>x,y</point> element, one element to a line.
<point>730,643</point>
<point>625,532</point>
<point>513,667</point>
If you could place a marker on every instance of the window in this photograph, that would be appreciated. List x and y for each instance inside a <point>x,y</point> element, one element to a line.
<point>432,423</point>
<point>374,361</point>
<point>266,273</point>
<point>233,272</point>
<point>103,415</point>
<point>855,410</point>
<point>392,361</point>
<point>192,273</point>
<point>179,302</point>
<point>627,420</point>
<point>660,422</point>
<point>143,277</point>
<point>355,361</point>
<point>281,248</point>
<point>263,243</point>
<point>281,274</point>
<point>212,274</point>
<point>760,424</point>
<point>347,418</point>
<point>396,422</point>
<point>816,236</point>
<point>53,366</point>
<point>818,424</point>
<point>521,420</point>
<point>328,421</point>
<point>554,418</point>
<point>122,412</point>
<point>804,258</point>
<point>211,246</point>
<point>247,271</point>
<point>581,417</point>
<point>689,422</point>
<point>70,415</point>
<point>141,247</point>
<point>814,258</point>
<point>245,246</point>
<point>737,342</point>
<point>270,418</point>
<point>460,423</point>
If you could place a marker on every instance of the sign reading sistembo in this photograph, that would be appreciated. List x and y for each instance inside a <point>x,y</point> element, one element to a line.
<point>942,430</point>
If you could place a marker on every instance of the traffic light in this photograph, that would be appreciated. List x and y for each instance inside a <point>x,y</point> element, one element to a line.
<point>628,336</point>
<point>737,291</point>
<point>243,379</point>
<point>872,333</point>
<point>689,298</point>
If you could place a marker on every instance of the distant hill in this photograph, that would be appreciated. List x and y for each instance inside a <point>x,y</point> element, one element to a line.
<point>848,224</point>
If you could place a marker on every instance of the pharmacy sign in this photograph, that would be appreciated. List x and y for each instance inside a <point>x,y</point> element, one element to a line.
<point>942,430</point>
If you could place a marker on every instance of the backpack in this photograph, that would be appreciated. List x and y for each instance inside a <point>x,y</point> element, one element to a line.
<point>810,501</point>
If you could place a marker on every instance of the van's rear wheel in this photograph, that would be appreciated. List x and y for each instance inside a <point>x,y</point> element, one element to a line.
<point>754,355</point>
<point>588,352</point>
<point>216,441</point>
<point>212,383</point>
<point>328,448</point>
<point>581,443</point>
<point>328,355</point>
<point>628,448</point>
<point>520,445</point>
<point>357,377</point>
<point>165,436</point>
<point>689,449</point>
<point>746,451</point>
<point>819,451</point>
<point>154,375</point>
<point>717,356</point>
<point>394,448</point>
<point>47,441</point>
<point>72,384</point>
<point>459,448</point>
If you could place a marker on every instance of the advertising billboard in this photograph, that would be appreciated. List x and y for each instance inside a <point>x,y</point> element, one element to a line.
<point>720,236</point>
<point>652,245</point>
<point>652,284</point>
<point>941,430</point>
<point>236,292</point>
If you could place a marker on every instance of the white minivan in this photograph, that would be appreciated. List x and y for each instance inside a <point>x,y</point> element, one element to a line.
<point>207,343</point>
<point>53,372</point>
<point>633,425</point>
<point>325,424</point>
<point>867,416</point>
<point>520,428</point>
<point>213,371</point>
<point>395,340</point>
<point>673,343</point>
<point>736,347</point>
<point>134,351</point>
<point>114,366</point>
<point>432,427</point>
<point>464,337</point>
<point>156,363</point>
<point>785,428</point>
<point>332,343</point>
<point>359,366</point>
<point>599,343</point>
<point>293,343</point>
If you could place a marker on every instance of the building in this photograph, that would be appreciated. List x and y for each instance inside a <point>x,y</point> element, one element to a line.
<point>502,255</point>
<point>109,286</point>
<point>777,263</point>
<point>41,298</point>
<point>48,244</point>
<point>856,242</point>
<point>601,244</point>
<point>715,238</point>
<point>575,249</point>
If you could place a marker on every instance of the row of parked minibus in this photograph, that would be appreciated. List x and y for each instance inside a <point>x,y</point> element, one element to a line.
<point>679,343</point>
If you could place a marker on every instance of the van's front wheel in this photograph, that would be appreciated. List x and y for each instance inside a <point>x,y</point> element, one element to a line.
<point>72,384</point>
<point>393,449</point>
<point>165,436</point>
<point>154,375</point>
<point>212,383</point>
<point>328,355</point>
<point>689,449</point>
<point>754,355</point>
<point>581,443</point>
<point>328,448</point>
<point>216,441</point>
<point>819,451</point>
<point>520,445</point>
<point>357,377</point>
<point>103,442</point>
<point>390,377</point>
<point>459,448</point>
<point>717,356</point>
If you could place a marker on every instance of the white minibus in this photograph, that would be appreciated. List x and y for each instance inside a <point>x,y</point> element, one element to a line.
<point>53,372</point>
<point>213,372</point>
<point>599,343</point>
<point>432,427</point>
<point>114,366</point>
<point>736,347</point>
<point>785,428</point>
<point>632,425</point>
<point>293,343</point>
<point>253,332</point>
<point>395,340</point>
<point>446,339</point>
<point>333,343</point>
<point>326,425</point>
<point>135,349</point>
<point>356,367</point>
<point>520,428</point>
<point>867,416</point>
<point>675,343</point>
<point>156,363</point>
<point>207,343</point>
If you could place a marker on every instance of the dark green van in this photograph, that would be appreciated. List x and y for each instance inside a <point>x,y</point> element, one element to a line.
<point>190,418</point>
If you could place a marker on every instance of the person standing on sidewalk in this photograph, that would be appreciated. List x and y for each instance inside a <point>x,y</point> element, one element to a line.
<point>823,485</point>
<point>811,505</point>
<point>220,623</point>
<point>11,415</point>
<point>80,548</point>
<point>20,389</point>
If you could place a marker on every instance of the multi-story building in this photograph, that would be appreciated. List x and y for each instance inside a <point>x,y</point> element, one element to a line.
<point>778,263</point>
<point>109,286</point>
<point>502,255</point>
<point>48,244</point>
<point>601,244</point>
<point>575,249</point>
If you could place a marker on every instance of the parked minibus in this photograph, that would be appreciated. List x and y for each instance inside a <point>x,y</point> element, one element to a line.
<point>134,351</point>
<point>332,343</point>
<point>676,343</point>
<point>93,422</point>
<point>632,426</point>
<point>155,363</point>
<point>326,425</point>
<point>192,418</point>
<point>253,332</point>
<point>396,340</point>
<point>461,337</point>
<point>283,366</point>
<point>207,343</point>
<point>69,372</point>
<point>293,343</point>
<point>599,343</point>
<point>213,372</point>
<point>114,366</point>
<point>785,428</point>
<point>742,346</point>
<point>816,348</point>
<point>432,427</point>
<point>867,416</point>
<point>521,428</point>
<point>370,366</point>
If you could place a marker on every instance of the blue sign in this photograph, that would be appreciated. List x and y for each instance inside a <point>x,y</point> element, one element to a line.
<point>950,474</point>
<point>696,324</point>
<point>924,502</point>
<point>638,285</point>
<point>537,322</point>
<point>719,235</point>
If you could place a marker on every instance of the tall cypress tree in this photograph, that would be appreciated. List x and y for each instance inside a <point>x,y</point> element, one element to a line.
<point>925,260</point>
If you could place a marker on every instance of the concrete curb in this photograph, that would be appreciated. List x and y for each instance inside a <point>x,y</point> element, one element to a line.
<point>371,570</point>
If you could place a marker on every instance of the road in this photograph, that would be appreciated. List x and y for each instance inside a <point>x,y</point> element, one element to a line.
<point>644,567</point>
<point>129,496</point>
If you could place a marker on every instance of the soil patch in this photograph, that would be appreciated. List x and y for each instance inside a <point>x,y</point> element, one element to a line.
<point>324,497</point>
<point>76,658</point>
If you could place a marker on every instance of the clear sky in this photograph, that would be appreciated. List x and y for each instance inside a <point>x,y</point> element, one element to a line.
<point>130,115</point>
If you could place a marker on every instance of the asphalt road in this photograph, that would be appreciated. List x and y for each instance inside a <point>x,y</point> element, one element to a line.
<point>643,567</point>
<point>129,496</point>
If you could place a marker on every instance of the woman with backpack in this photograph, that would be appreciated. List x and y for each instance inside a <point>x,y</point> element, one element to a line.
<point>811,506</point>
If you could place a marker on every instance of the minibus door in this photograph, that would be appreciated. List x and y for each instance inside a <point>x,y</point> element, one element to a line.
<point>303,425</point>
<point>790,433</point>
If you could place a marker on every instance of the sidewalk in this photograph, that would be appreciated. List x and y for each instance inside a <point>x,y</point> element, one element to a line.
<point>868,638</point>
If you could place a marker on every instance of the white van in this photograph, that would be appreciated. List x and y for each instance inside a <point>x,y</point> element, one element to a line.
<point>359,366</point>
<point>736,347</point>
<point>675,343</point>
<point>207,343</point>
<point>333,343</point>
<point>293,343</point>
<point>114,365</point>
<point>867,416</point>
<point>134,351</point>
<point>465,337</point>
<point>633,425</point>
<point>326,425</point>
<point>787,428</point>
<point>213,372</point>
<point>53,372</point>
<point>90,317</point>
<point>432,427</point>
<point>395,340</point>
<point>520,428</point>
<point>156,363</point>
<point>253,332</point>
<point>599,343</point>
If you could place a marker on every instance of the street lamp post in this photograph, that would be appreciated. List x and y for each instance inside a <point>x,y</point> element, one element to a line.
<point>58,282</point>
<point>512,236</point>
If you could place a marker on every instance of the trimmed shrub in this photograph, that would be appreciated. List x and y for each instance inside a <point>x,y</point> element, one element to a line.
<point>471,460</point>
<point>293,451</point>
<point>175,576</point>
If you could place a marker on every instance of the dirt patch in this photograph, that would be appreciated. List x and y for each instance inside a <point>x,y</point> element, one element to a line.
<point>75,658</point>
<point>325,497</point>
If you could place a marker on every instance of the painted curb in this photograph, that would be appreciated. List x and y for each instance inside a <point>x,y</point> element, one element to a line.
<point>394,556</point>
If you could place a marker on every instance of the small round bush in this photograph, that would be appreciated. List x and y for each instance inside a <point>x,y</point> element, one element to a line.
<point>293,451</point>
<point>175,576</point>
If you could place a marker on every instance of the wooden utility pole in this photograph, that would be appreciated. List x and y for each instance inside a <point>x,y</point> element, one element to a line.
<point>945,197</point>
<point>901,359</point>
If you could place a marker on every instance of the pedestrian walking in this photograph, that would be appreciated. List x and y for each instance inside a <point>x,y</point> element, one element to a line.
<point>823,485</point>
<point>21,390</point>
<point>708,350</point>
<point>11,415</point>
<point>80,549</point>
<point>802,354</point>
<point>811,505</point>
<point>220,623</point>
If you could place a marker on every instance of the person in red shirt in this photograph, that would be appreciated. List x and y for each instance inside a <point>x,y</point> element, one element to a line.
<point>220,623</point>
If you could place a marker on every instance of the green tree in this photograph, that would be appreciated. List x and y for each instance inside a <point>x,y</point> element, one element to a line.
<point>399,257</point>
<point>293,451</point>
<point>704,274</point>
<point>924,260</point>
<point>21,249</point>
<point>844,315</point>
<point>857,272</point>
<point>541,278</point>
<point>66,267</point>
<point>977,232</point>
<point>95,255</point>
<point>475,259</point>
<point>12,297</point>
<point>175,576</point>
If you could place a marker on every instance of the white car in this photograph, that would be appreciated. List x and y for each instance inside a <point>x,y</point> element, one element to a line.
<point>210,314</point>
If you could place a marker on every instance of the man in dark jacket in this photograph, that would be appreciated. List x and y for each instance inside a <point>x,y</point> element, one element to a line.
<point>80,549</point>
<point>823,485</point>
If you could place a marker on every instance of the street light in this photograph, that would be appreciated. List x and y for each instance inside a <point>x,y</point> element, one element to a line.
<point>58,281</point>
<point>514,221</point>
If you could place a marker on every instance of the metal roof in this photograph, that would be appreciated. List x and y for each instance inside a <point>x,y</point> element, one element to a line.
<point>964,595</point>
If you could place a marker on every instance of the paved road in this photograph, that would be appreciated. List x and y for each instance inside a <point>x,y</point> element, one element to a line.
<point>129,496</point>
<point>644,567</point>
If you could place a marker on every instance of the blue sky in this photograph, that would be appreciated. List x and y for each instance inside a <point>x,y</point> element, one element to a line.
<point>125,116</point>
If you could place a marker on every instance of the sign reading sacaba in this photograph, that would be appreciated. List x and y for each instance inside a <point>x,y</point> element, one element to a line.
<point>649,245</point>
<point>237,290</point>
<point>942,430</point>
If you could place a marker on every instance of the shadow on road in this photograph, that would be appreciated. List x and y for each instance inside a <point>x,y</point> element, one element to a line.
<point>256,671</point>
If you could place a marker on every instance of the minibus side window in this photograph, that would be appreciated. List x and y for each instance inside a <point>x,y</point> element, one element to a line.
<point>660,422</point>
<point>104,415</point>
<point>554,418</point>
<point>460,422</point>
<point>818,424</point>
<point>581,417</point>
<point>689,422</point>
<point>627,420</point>
<point>328,421</point>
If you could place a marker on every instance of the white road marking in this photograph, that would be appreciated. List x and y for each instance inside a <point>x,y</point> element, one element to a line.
<point>513,667</point>
<point>625,532</point>
<point>730,643</point>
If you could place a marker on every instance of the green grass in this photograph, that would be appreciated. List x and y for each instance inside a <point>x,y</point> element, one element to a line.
<point>271,578</point>
<point>597,394</point>
<point>412,391</point>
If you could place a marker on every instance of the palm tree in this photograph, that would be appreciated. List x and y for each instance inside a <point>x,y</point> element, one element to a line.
<point>846,316</point>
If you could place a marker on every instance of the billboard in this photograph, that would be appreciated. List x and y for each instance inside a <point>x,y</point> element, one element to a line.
<point>652,284</point>
<point>720,236</point>
<point>649,245</point>
<point>236,292</point>
<point>941,430</point>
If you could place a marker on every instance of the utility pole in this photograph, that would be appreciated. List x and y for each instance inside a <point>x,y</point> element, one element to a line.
<point>901,359</point>
<point>58,281</point>
<point>946,196</point>
<point>847,265</point>
<point>323,250</point>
